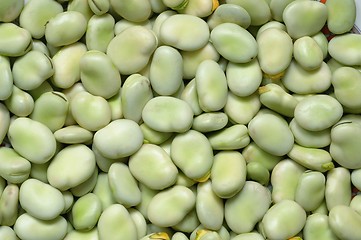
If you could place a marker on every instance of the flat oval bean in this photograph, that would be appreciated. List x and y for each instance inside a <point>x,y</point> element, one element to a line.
<point>100,31</point>
<point>284,220</point>
<point>307,53</point>
<point>120,138</point>
<point>208,122</point>
<point>253,153</point>
<point>341,16</point>
<point>5,122</point>
<point>36,14</point>
<point>343,48</point>
<point>7,233</point>
<point>169,207</point>
<point>82,7</point>
<point>192,153</point>
<point>136,92</point>
<point>73,134</point>
<point>322,42</point>
<point>152,136</point>
<point>132,10</point>
<point>338,187</point>
<point>248,207</point>
<point>318,112</point>
<point>318,227</point>
<point>139,222</point>
<point>258,173</point>
<point>10,10</point>
<point>168,114</point>
<point>86,212</point>
<point>103,191</point>
<point>234,43</point>
<point>259,11</point>
<point>28,227</point>
<point>20,102</point>
<point>277,140</point>
<point>19,40</point>
<point>122,24</point>
<point>129,52</point>
<point>229,13</point>
<point>188,223</point>
<point>123,185</point>
<point>71,166</point>
<point>277,7</point>
<point>228,173</point>
<point>85,187</point>
<point>103,162</point>
<point>229,138</point>
<point>32,140</point>
<point>184,32</point>
<point>6,78</point>
<point>65,28</point>
<point>344,222</point>
<point>9,204</point>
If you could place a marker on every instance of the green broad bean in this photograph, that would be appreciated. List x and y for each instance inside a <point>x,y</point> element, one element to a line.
<point>51,109</point>
<point>355,203</point>
<point>123,24</point>
<point>139,222</point>
<point>188,223</point>
<point>86,212</point>
<point>103,162</point>
<point>311,158</point>
<point>6,78</point>
<point>284,180</point>
<point>87,186</point>
<point>317,227</point>
<point>147,195</point>
<point>90,111</point>
<point>300,81</point>
<point>283,220</point>
<point>311,139</point>
<point>175,5</point>
<point>229,138</point>
<point>343,48</point>
<point>32,140</point>
<point>248,236</point>
<point>168,114</point>
<point>100,31</point>
<point>296,12</point>
<point>275,48</point>
<point>207,199</point>
<point>73,165</point>
<point>38,171</point>
<point>98,74</point>
<point>9,202</point>
<point>344,222</point>
<point>253,153</point>
<point>338,187</point>
<point>99,7</point>
<point>200,231</point>
<point>310,190</point>
<point>81,235</point>
<point>65,28</point>
<point>30,228</point>
<point>270,24</point>
<point>158,21</point>
<point>278,139</point>
<point>346,84</point>
<point>15,41</point>
<point>228,173</point>
<point>115,104</point>
<point>184,32</point>
<point>41,200</point>
<point>5,122</point>
<point>73,135</point>
<point>277,7</point>
<point>203,234</point>
<point>192,153</point>
<point>198,8</point>
<point>66,64</point>
<point>322,208</point>
<point>123,185</point>
<point>259,10</point>
<point>307,53</point>
<point>341,16</point>
<point>211,86</point>
<point>183,180</point>
<point>234,43</point>
<point>20,102</point>
<point>192,59</point>
<point>243,79</point>
<point>208,122</point>
<point>258,173</point>
<point>356,178</point>
<point>153,167</point>
<point>136,92</point>
<point>277,99</point>
<point>132,10</point>
<point>36,14</point>
<point>170,206</point>
<point>81,6</point>
<point>3,184</point>
<point>318,112</point>
<point>322,42</point>
<point>8,233</point>
<point>103,191</point>
<point>43,88</point>
<point>179,236</point>
<point>248,206</point>
<point>190,96</point>
<point>166,70</point>
<point>152,136</point>
<point>229,13</point>
<point>68,201</point>
<point>129,52</point>
<point>10,10</point>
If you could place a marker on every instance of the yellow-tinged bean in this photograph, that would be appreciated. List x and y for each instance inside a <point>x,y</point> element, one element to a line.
<point>115,223</point>
<point>6,78</point>
<point>228,12</point>
<point>341,15</point>
<point>259,10</point>
<point>207,199</point>
<point>284,179</point>
<point>247,207</point>
<point>100,31</point>
<point>9,203</point>
<point>283,220</point>
<point>156,236</point>
<point>28,227</point>
<point>170,206</point>
<point>234,43</point>
<point>338,187</point>
<point>345,222</point>
<point>317,227</point>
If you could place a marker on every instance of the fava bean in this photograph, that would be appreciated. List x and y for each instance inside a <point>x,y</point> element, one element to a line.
<point>81,235</point>
<point>338,187</point>
<point>338,21</point>
<point>99,7</point>
<point>307,53</point>
<point>132,10</point>
<point>87,186</point>
<point>6,78</point>
<point>9,202</point>
<point>81,6</point>
<point>7,233</point>
<point>257,172</point>
<point>318,227</point>
<point>188,223</point>
<point>20,102</point>
<point>259,11</point>
<point>86,212</point>
<point>73,134</point>
<point>342,48</point>
<point>253,153</point>
<point>208,122</point>
<point>229,138</point>
<point>10,10</point>
<point>103,191</point>
<point>190,96</point>
<point>19,40</point>
<point>343,221</point>
<point>100,31</point>
<point>139,222</point>
<point>229,13</point>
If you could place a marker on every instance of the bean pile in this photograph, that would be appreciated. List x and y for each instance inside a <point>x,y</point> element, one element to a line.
<point>180,119</point>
